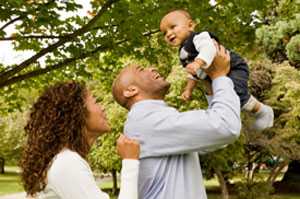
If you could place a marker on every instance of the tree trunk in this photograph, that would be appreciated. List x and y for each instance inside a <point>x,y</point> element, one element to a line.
<point>2,163</point>
<point>276,171</point>
<point>115,182</point>
<point>225,194</point>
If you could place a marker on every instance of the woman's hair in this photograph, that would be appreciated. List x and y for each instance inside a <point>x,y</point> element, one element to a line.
<point>57,120</point>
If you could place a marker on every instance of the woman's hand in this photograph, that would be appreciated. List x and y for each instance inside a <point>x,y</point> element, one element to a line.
<point>128,148</point>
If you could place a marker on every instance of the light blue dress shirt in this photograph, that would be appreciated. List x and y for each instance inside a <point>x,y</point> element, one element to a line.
<point>171,140</point>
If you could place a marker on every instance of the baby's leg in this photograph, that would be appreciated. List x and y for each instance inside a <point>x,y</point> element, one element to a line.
<point>239,74</point>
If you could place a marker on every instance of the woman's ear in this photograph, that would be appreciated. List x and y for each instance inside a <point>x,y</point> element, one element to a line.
<point>130,91</point>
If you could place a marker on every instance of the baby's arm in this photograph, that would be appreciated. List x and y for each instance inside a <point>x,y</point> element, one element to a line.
<point>188,90</point>
<point>207,51</point>
<point>204,44</point>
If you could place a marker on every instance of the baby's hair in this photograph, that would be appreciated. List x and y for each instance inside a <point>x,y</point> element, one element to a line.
<point>182,11</point>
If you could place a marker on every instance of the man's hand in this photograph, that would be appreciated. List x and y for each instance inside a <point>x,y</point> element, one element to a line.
<point>221,63</point>
<point>128,148</point>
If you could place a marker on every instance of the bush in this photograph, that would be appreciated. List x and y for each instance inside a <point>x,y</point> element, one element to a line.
<point>256,190</point>
<point>293,49</point>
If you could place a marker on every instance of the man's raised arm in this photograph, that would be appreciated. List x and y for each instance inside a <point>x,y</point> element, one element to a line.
<point>199,130</point>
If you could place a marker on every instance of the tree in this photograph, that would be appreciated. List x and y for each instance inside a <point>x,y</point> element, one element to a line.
<point>12,137</point>
<point>280,36</point>
<point>280,40</point>
<point>119,27</point>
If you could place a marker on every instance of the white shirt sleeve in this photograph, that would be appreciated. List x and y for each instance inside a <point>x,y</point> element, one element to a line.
<point>129,178</point>
<point>206,48</point>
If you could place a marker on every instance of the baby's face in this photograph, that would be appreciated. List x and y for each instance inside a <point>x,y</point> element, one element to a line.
<point>176,27</point>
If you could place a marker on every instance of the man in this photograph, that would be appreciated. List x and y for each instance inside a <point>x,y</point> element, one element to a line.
<point>170,140</point>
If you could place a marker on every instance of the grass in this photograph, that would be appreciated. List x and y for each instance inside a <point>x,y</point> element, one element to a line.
<point>10,183</point>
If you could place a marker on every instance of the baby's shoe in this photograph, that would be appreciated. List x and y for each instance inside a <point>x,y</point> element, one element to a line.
<point>263,118</point>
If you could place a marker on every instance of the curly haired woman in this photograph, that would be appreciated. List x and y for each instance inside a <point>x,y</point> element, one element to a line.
<point>64,123</point>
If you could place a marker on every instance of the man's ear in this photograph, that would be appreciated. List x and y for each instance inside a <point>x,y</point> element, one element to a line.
<point>130,91</point>
<point>192,25</point>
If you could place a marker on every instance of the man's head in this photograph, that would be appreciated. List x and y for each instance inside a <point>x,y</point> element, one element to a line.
<point>135,83</point>
<point>177,26</point>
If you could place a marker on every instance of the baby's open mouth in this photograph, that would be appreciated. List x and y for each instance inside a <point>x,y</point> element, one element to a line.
<point>172,39</point>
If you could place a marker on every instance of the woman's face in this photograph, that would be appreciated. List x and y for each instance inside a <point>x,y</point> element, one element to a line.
<point>96,121</point>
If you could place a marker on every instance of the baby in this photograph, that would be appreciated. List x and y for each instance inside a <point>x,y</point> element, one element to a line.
<point>197,52</point>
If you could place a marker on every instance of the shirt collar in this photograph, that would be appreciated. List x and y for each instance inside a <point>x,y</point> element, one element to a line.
<point>148,102</point>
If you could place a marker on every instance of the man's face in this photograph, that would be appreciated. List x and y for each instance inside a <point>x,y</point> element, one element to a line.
<point>176,27</point>
<point>150,81</point>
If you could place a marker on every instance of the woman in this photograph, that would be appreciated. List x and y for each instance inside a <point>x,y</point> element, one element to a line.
<point>64,123</point>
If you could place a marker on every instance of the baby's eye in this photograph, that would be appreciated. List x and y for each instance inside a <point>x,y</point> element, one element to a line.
<point>173,26</point>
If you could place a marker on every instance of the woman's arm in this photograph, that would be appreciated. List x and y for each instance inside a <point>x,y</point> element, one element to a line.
<point>129,151</point>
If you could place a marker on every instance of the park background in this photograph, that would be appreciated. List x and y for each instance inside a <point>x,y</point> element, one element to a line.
<point>91,40</point>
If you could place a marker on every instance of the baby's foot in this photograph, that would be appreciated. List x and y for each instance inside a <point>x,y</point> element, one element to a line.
<point>263,118</point>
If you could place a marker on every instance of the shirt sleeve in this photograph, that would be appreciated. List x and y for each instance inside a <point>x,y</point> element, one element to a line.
<point>198,130</point>
<point>129,179</point>
<point>74,180</point>
<point>206,48</point>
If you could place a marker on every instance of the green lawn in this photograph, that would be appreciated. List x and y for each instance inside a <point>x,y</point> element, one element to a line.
<point>10,183</point>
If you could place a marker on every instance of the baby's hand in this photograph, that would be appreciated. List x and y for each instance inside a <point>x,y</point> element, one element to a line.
<point>128,148</point>
<point>186,95</point>
<point>192,68</point>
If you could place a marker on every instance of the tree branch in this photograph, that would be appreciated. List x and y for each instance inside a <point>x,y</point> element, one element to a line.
<point>32,37</point>
<point>22,15</point>
<point>10,22</point>
<point>6,74</point>
<point>55,66</point>
<point>64,62</point>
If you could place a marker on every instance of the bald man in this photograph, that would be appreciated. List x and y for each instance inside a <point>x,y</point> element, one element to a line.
<point>171,140</point>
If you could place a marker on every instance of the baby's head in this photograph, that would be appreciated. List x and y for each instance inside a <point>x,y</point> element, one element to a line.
<point>176,26</point>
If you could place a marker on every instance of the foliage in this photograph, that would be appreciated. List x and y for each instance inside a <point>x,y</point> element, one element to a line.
<point>283,139</point>
<point>111,31</point>
<point>277,34</point>
<point>293,49</point>
<point>260,79</point>
<point>257,190</point>
<point>12,136</point>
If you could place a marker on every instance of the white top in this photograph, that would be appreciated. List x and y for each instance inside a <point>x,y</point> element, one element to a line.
<point>70,177</point>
